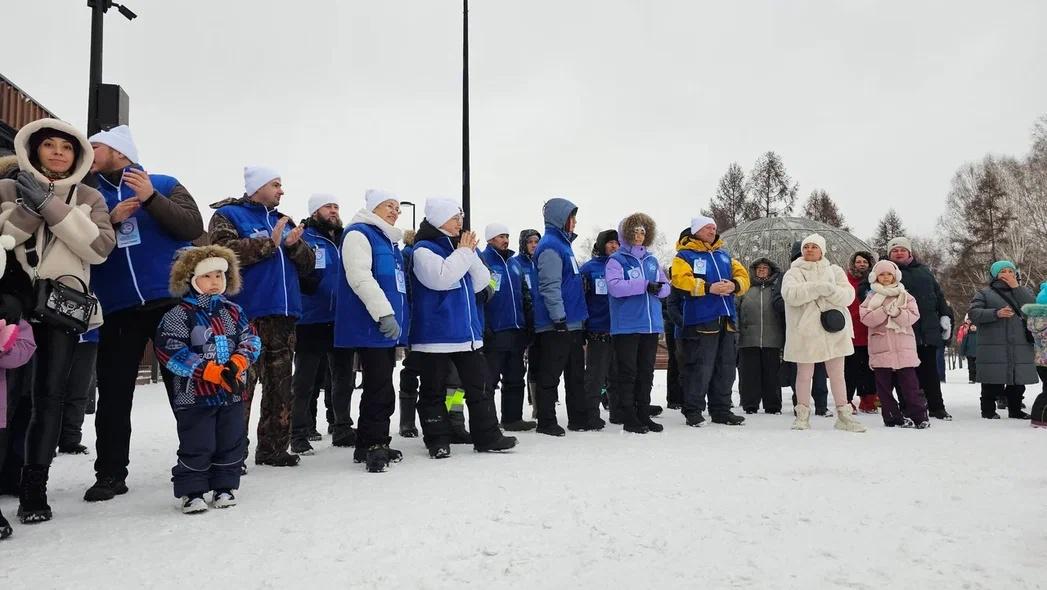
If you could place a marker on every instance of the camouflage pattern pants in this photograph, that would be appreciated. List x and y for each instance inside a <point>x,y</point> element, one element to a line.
<point>273,369</point>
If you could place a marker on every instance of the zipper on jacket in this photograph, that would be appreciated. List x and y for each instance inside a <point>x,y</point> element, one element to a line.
<point>280,251</point>
<point>723,298</point>
<point>512,292</point>
<point>468,304</point>
<point>338,257</point>
<point>761,316</point>
<point>646,295</point>
<point>127,251</point>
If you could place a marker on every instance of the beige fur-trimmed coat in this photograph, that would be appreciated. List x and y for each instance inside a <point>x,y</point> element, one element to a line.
<point>809,288</point>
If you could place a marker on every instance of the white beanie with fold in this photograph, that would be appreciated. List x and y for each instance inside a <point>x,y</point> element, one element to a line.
<point>119,138</point>
<point>255,177</point>
<point>438,210</point>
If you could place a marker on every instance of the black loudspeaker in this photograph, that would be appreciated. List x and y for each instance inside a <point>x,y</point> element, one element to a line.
<point>113,106</point>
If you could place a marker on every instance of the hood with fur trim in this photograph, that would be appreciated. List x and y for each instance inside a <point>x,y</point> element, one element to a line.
<point>866,255</point>
<point>80,168</point>
<point>8,166</point>
<point>185,264</point>
<point>625,230</point>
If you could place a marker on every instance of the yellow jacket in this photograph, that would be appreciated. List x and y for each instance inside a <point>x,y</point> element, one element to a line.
<point>683,275</point>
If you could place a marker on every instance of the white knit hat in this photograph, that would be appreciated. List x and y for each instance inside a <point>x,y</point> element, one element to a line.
<point>438,210</point>
<point>118,138</point>
<point>317,200</point>
<point>900,242</point>
<point>815,239</point>
<point>494,230</point>
<point>375,197</point>
<point>209,265</point>
<point>255,177</point>
<point>701,221</point>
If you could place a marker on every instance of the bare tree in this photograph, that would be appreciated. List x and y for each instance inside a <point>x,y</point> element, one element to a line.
<point>731,202</point>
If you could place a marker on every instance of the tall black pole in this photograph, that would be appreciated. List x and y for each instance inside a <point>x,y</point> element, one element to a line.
<point>98,8</point>
<point>465,113</point>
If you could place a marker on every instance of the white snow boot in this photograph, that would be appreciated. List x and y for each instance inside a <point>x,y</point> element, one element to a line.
<point>223,499</point>
<point>803,417</point>
<point>845,419</point>
<point>194,504</point>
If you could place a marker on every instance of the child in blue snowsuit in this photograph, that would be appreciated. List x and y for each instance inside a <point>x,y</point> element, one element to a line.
<point>205,344</point>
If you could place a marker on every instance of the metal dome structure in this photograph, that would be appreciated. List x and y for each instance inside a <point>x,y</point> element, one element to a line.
<point>773,237</point>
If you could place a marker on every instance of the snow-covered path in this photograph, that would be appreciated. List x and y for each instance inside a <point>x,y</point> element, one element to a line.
<point>956,506</point>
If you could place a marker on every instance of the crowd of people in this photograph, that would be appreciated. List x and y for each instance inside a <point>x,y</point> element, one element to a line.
<point>103,257</point>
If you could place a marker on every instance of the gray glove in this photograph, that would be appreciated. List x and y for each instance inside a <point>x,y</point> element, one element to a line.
<point>388,327</point>
<point>30,191</point>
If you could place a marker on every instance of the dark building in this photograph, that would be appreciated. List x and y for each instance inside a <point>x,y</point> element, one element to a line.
<point>16,109</point>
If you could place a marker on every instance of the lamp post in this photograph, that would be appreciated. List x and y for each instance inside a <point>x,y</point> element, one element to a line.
<point>465,113</point>
<point>411,205</point>
<point>98,9</point>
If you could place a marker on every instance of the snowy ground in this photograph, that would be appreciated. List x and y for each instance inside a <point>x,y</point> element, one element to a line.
<point>956,506</point>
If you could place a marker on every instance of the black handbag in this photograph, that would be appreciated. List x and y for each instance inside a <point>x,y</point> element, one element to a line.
<point>63,307</point>
<point>833,320</point>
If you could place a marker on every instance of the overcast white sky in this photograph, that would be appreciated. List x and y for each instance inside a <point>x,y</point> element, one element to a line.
<point>618,105</point>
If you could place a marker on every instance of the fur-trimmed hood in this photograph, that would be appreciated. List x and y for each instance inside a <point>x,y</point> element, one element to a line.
<point>637,220</point>
<point>1035,310</point>
<point>8,166</point>
<point>773,276</point>
<point>864,254</point>
<point>185,264</point>
<point>80,168</point>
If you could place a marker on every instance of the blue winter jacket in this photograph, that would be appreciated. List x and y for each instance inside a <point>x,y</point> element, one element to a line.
<point>443,317</point>
<point>633,309</point>
<point>138,269</point>
<point>504,310</point>
<point>319,307</point>
<point>560,295</point>
<point>353,326</point>
<point>596,298</point>
<point>270,285</point>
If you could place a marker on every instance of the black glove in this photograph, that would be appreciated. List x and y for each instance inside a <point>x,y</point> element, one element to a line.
<point>653,288</point>
<point>230,376</point>
<point>30,191</point>
<point>560,326</point>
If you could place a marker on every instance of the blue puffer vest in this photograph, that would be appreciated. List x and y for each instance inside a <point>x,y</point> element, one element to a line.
<point>353,325</point>
<point>443,317</point>
<point>710,267</point>
<point>570,282</point>
<point>319,308</point>
<point>504,310</point>
<point>596,298</point>
<point>637,314</point>
<point>270,285</point>
<point>136,273</point>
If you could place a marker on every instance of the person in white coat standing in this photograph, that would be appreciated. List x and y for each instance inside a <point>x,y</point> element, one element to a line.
<point>818,329</point>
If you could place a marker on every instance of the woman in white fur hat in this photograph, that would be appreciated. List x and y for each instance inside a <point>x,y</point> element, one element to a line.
<point>818,329</point>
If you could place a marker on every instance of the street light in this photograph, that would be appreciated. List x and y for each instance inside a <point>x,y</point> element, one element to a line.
<point>98,9</point>
<point>411,205</point>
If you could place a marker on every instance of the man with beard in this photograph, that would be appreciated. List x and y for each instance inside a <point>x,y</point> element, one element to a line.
<point>933,329</point>
<point>859,376</point>
<point>272,256</point>
<point>155,216</point>
<point>315,329</point>
<point>505,333</point>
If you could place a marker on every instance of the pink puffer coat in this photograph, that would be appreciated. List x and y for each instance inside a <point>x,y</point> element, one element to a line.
<point>890,349</point>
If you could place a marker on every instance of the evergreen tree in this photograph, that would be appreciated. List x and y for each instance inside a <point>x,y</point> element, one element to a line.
<point>821,207</point>
<point>773,192</point>
<point>889,227</point>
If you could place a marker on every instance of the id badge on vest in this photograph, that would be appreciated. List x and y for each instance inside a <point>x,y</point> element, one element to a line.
<point>127,234</point>
<point>699,266</point>
<point>401,281</point>
<point>496,281</point>
<point>634,274</point>
<point>321,258</point>
<point>600,286</point>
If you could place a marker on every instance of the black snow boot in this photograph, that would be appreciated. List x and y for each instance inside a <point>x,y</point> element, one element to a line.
<point>459,435</point>
<point>503,443</point>
<point>280,459</point>
<point>106,488</point>
<point>378,458</point>
<point>32,498</point>
<point>520,426</point>
<point>343,436</point>
<point>730,419</point>
<point>651,424</point>
<point>440,452</point>
<point>694,419</point>
<point>5,527</point>
<point>635,428</point>
<point>654,410</point>
<point>408,402</point>
<point>550,429</point>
